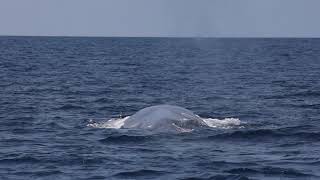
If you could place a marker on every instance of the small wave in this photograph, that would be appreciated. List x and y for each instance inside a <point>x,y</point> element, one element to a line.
<point>271,171</point>
<point>225,177</point>
<point>125,138</point>
<point>306,106</point>
<point>247,134</point>
<point>303,94</point>
<point>142,172</point>
<point>70,107</point>
<point>267,134</point>
<point>47,173</point>
<point>103,100</point>
<point>243,171</point>
<point>23,159</point>
<point>283,171</point>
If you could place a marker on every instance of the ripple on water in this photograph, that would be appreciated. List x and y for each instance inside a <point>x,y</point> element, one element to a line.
<point>51,86</point>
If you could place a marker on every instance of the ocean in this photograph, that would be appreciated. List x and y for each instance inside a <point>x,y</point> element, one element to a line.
<point>52,88</point>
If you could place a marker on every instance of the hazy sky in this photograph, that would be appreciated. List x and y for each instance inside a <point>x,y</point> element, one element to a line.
<point>271,18</point>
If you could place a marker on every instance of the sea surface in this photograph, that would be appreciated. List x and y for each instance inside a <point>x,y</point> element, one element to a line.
<point>52,87</point>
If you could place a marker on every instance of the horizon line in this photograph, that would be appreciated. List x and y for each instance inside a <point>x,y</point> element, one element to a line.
<point>191,37</point>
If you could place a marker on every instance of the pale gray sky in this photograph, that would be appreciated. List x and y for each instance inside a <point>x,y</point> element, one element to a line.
<point>215,18</point>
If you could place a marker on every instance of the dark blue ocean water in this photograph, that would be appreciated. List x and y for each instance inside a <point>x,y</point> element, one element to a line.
<point>51,86</point>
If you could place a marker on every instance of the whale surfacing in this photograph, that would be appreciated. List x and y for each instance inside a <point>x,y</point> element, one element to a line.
<point>164,118</point>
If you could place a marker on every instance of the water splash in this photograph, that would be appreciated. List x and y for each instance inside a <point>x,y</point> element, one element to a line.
<point>225,123</point>
<point>114,123</point>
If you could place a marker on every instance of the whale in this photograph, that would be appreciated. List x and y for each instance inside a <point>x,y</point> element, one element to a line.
<point>164,118</point>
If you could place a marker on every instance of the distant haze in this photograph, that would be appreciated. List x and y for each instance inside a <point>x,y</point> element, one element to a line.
<point>173,18</point>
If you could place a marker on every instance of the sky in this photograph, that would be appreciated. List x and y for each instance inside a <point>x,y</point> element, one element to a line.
<point>161,18</point>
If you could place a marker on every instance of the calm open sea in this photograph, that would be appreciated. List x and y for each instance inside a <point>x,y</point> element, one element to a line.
<point>50,87</point>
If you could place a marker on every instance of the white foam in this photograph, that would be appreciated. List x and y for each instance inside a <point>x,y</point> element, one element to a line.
<point>222,123</point>
<point>114,123</point>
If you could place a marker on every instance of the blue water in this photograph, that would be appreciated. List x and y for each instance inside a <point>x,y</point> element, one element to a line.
<point>51,87</point>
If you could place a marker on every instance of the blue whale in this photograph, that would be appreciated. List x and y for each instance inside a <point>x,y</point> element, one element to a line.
<point>164,118</point>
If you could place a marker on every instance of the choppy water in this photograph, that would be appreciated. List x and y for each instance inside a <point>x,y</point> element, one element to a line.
<point>51,87</point>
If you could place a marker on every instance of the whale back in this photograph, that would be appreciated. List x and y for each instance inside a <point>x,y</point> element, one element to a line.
<point>164,118</point>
